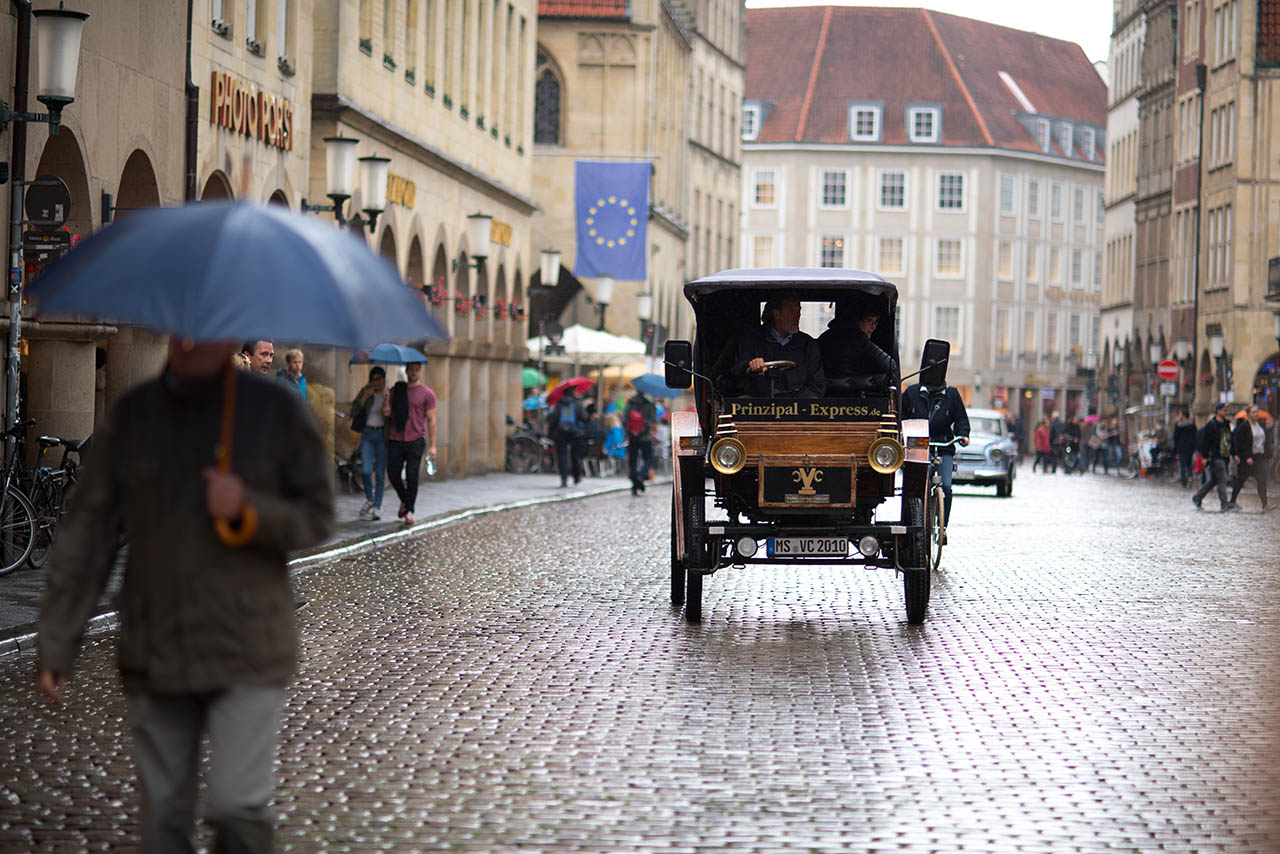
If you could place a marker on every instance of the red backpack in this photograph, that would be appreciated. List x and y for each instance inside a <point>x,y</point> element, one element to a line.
<point>636,425</point>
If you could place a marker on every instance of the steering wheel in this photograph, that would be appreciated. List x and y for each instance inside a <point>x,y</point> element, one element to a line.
<point>778,366</point>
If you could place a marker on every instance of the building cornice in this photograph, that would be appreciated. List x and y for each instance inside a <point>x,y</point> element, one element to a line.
<point>668,222</point>
<point>963,151</point>
<point>741,66</point>
<point>732,164</point>
<point>325,105</point>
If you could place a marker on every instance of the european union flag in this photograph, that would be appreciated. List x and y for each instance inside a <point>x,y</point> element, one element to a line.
<point>613,214</point>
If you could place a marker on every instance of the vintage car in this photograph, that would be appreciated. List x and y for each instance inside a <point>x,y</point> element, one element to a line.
<point>991,458</point>
<point>838,479</point>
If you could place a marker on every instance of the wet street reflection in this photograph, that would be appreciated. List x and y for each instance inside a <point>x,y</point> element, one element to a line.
<point>1094,675</point>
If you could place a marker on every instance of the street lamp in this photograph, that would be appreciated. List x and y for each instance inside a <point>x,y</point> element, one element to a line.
<point>1156,351</point>
<point>604,296</point>
<point>1182,349</point>
<point>1215,345</point>
<point>479,228</point>
<point>58,35</point>
<point>549,268</point>
<point>340,181</point>
<point>644,306</point>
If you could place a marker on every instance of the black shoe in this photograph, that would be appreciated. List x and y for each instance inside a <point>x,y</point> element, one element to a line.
<point>563,483</point>
<point>1198,502</point>
<point>635,490</point>
<point>641,486</point>
<point>1231,508</point>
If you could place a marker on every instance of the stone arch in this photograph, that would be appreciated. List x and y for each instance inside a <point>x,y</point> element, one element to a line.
<point>590,49</point>
<point>216,187</point>
<point>501,325</point>
<point>278,198</point>
<point>461,292</point>
<point>622,50</point>
<point>549,101</point>
<point>1266,385</point>
<point>62,156</point>
<point>440,286</point>
<point>387,247</point>
<point>138,187</point>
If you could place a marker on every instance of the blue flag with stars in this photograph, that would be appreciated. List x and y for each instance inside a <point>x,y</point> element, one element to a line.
<point>612,203</point>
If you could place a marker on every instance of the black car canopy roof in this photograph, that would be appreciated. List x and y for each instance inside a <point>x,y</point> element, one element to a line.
<point>819,281</point>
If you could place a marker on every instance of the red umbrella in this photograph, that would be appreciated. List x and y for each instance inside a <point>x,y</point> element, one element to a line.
<point>578,384</point>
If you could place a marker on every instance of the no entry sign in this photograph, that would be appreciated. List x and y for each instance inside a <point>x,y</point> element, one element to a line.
<point>1167,369</point>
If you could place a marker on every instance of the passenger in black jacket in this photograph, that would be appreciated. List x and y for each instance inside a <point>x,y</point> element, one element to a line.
<point>849,352</point>
<point>1251,448</point>
<point>779,338</point>
<point>1216,449</point>
<point>1184,445</point>
<point>948,420</point>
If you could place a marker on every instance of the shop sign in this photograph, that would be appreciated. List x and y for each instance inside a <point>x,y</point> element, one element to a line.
<point>500,232</point>
<point>400,191</point>
<point>243,108</point>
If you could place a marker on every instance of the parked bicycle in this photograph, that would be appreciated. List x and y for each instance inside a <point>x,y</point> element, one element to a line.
<point>17,516</point>
<point>529,451</point>
<point>48,493</point>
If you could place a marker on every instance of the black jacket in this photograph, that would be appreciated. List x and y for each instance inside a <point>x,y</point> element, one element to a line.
<point>1242,441</point>
<point>805,380</point>
<point>944,409</point>
<point>1184,438</point>
<point>848,352</point>
<point>1213,438</point>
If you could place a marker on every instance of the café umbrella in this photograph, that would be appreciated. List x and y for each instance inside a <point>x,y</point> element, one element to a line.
<point>233,271</point>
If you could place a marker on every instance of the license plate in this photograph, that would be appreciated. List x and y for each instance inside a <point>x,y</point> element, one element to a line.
<point>808,547</point>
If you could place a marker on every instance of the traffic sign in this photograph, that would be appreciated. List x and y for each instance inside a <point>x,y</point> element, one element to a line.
<point>1168,389</point>
<point>1168,369</point>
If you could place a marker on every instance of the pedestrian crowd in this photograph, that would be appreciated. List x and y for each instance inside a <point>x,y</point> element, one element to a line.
<point>1220,455</point>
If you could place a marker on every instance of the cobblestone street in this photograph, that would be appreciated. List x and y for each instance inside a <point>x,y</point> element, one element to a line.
<point>1094,676</point>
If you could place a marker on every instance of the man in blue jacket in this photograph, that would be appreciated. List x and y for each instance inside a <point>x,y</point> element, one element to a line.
<point>933,399</point>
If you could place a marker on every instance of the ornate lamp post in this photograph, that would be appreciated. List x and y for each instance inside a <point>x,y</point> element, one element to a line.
<point>340,181</point>
<point>604,296</point>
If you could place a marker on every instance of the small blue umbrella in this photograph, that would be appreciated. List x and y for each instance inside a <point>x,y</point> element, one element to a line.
<point>388,354</point>
<point>231,271</point>
<point>537,401</point>
<point>655,386</point>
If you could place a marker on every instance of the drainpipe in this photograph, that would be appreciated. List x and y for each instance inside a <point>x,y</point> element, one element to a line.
<point>193,116</point>
<point>17,179</point>
<point>1201,79</point>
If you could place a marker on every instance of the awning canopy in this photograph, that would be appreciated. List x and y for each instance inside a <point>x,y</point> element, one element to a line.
<point>584,346</point>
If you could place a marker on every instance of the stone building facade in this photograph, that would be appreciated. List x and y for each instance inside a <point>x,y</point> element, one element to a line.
<point>972,179</point>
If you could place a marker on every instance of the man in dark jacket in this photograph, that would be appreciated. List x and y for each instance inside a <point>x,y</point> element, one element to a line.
<point>638,420</point>
<point>1251,448</point>
<point>1184,445</point>
<point>849,352</point>
<point>1215,447</point>
<point>942,405</point>
<point>778,338</point>
<point>565,425</point>
<point>207,638</point>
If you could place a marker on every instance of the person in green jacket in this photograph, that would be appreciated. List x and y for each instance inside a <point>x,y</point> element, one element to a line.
<point>367,420</point>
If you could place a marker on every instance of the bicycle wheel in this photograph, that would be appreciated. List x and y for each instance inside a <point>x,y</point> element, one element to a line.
<point>45,501</point>
<point>17,530</point>
<point>934,526</point>
<point>522,455</point>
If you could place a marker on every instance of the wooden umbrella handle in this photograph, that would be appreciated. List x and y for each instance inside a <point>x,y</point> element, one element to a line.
<point>239,534</point>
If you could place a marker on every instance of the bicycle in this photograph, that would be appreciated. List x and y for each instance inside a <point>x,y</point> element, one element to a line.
<point>529,452</point>
<point>935,521</point>
<point>48,493</point>
<point>17,516</point>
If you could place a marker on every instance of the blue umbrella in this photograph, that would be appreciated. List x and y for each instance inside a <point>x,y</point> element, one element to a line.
<point>229,271</point>
<point>655,386</point>
<point>537,401</point>
<point>388,354</point>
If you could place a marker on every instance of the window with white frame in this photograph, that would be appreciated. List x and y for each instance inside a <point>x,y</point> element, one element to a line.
<point>832,251</point>
<point>1077,267</point>
<point>891,256</point>
<point>765,195</point>
<point>922,124</point>
<point>284,33</point>
<point>1029,334</point>
<point>1077,204</point>
<point>1004,260</point>
<point>1051,334</point>
<point>1033,199</point>
<point>1033,263</point>
<point>1066,138</point>
<point>950,191</point>
<point>762,250</point>
<point>1055,265</point>
<point>1102,209</point>
<point>1042,134</point>
<point>949,258</point>
<point>893,190</point>
<point>1004,333</point>
<point>750,121</point>
<point>946,325</point>
<point>1088,143</point>
<point>1055,202</point>
<point>1073,332</point>
<point>1008,194</point>
<point>1191,29</point>
<point>864,123</point>
<point>1097,270</point>
<point>834,188</point>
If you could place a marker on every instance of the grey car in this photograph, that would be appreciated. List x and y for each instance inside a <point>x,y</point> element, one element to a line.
<point>990,458</point>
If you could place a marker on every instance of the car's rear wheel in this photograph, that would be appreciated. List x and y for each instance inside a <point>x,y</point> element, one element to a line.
<point>1004,488</point>
<point>916,577</point>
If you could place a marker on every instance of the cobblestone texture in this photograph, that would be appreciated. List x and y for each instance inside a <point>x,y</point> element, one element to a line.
<point>1094,677</point>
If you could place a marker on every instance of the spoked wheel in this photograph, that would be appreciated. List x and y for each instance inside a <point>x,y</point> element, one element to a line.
<point>45,504</point>
<point>696,559</point>
<point>916,577</point>
<point>933,526</point>
<point>677,563</point>
<point>522,455</point>
<point>17,530</point>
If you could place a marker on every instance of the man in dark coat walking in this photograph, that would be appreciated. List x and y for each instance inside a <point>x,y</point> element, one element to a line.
<point>778,338</point>
<point>1184,445</point>
<point>1215,447</point>
<point>941,404</point>
<point>565,425</point>
<point>638,420</point>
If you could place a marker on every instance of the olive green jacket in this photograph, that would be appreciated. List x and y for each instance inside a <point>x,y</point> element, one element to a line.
<point>196,614</point>
<point>357,407</point>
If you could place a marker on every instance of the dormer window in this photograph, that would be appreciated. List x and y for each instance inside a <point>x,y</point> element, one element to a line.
<point>924,124</point>
<point>1065,141</point>
<point>1042,134</point>
<point>750,122</point>
<point>864,123</point>
<point>1088,143</point>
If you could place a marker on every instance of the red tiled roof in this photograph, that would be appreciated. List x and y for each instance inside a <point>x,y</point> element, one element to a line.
<point>907,56</point>
<point>596,9</point>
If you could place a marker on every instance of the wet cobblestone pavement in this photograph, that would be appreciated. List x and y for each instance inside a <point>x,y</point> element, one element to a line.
<point>1095,676</point>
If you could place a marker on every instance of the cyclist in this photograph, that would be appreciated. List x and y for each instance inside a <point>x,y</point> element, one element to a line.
<point>933,399</point>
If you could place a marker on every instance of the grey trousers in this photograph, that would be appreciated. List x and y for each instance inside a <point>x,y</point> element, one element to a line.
<point>242,724</point>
